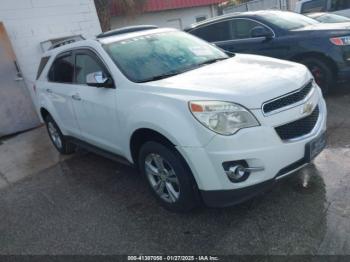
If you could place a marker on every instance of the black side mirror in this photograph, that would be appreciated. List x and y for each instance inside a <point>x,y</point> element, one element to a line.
<point>99,79</point>
<point>260,31</point>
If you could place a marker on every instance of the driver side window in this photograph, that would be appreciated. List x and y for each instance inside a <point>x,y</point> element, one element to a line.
<point>86,64</point>
<point>242,28</point>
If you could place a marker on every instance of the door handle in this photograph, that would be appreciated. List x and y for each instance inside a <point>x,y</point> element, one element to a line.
<point>49,91</point>
<point>76,97</point>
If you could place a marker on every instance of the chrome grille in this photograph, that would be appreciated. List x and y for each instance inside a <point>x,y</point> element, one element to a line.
<point>287,99</point>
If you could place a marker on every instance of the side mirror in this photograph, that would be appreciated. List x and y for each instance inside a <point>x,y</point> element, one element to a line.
<point>260,31</point>
<point>99,79</point>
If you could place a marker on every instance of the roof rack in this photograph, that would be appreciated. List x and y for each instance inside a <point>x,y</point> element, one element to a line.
<point>125,30</point>
<point>57,42</point>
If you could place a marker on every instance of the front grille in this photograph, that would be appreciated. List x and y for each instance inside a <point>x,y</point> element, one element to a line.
<point>288,99</point>
<point>299,127</point>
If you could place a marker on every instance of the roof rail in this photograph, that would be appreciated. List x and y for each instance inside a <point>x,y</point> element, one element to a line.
<point>125,30</point>
<point>57,42</point>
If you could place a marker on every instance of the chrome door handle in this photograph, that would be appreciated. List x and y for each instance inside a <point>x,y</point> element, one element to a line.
<point>49,91</point>
<point>76,97</point>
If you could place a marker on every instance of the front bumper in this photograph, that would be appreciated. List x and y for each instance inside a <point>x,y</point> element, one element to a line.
<point>259,147</point>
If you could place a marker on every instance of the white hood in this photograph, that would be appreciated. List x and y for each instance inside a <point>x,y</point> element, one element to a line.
<point>248,80</point>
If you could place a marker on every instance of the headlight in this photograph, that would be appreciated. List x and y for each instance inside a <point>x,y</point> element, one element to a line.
<point>222,117</point>
<point>344,40</point>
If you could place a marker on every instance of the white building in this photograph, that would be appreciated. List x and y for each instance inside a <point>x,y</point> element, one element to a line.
<point>171,13</point>
<point>28,23</point>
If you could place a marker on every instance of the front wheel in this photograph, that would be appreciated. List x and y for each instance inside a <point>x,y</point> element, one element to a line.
<point>322,73</point>
<point>168,176</point>
<point>58,139</point>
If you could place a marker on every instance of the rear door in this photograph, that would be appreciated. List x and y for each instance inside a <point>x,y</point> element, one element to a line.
<point>95,107</point>
<point>60,90</point>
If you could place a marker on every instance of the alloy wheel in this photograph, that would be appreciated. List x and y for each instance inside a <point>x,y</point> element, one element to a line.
<point>162,178</point>
<point>54,134</point>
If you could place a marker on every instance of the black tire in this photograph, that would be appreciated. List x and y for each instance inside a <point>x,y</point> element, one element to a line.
<point>322,73</point>
<point>188,197</point>
<point>65,147</point>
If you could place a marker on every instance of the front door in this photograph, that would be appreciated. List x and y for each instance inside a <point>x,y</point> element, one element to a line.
<point>95,107</point>
<point>243,42</point>
<point>17,112</point>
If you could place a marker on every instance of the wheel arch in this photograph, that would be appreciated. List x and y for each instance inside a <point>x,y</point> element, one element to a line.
<point>143,135</point>
<point>44,113</point>
<point>316,55</point>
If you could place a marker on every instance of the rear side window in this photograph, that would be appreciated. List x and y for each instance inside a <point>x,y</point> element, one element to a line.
<point>214,32</point>
<point>62,70</point>
<point>42,65</point>
<point>314,6</point>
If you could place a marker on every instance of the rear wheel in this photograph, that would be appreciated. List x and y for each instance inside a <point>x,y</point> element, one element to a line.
<point>322,73</point>
<point>169,178</point>
<point>58,139</point>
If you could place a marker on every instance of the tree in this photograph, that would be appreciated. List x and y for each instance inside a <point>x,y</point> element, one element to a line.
<point>127,7</point>
<point>104,14</point>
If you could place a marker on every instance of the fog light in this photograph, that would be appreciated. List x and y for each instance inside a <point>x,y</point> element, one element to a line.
<point>239,171</point>
<point>236,172</point>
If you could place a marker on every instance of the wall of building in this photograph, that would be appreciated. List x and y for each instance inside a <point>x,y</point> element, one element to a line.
<point>29,22</point>
<point>178,18</point>
<point>292,4</point>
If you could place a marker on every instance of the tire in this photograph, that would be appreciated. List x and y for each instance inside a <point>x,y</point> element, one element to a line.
<point>165,169</point>
<point>322,73</point>
<point>60,142</point>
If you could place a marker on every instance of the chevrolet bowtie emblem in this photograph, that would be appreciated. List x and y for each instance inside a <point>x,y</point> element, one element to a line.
<point>307,109</point>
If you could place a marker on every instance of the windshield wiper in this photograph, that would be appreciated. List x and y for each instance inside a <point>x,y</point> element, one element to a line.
<point>212,61</point>
<point>159,77</point>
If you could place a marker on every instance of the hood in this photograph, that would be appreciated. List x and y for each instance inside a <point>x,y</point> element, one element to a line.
<point>249,80</point>
<point>325,27</point>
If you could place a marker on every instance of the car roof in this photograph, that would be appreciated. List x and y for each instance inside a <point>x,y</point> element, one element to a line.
<point>232,15</point>
<point>105,40</point>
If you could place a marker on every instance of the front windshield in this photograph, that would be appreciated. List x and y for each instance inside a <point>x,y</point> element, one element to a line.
<point>159,55</point>
<point>289,20</point>
<point>330,18</point>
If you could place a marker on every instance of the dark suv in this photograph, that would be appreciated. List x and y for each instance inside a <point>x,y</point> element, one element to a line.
<point>323,48</point>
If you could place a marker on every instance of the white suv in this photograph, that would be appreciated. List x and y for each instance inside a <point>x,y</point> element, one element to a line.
<point>199,125</point>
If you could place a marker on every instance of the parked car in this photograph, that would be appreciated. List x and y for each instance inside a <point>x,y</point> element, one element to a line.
<point>195,122</point>
<point>328,18</point>
<point>323,48</point>
<point>341,7</point>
